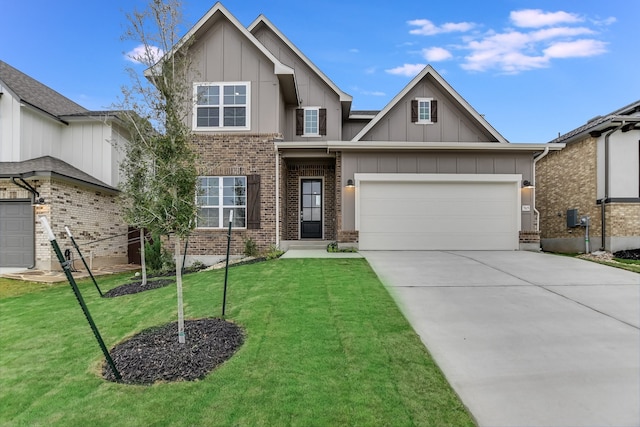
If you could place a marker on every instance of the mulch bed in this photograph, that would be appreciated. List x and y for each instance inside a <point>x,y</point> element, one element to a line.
<point>156,355</point>
<point>136,287</point>
<point>629,254</point>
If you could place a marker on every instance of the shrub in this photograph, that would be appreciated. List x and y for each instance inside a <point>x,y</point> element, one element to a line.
<point>250,247</point>
<point>156,257</point>
<point>273,252</point>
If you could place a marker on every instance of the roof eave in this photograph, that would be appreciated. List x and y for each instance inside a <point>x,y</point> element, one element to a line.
<point>418,146</point>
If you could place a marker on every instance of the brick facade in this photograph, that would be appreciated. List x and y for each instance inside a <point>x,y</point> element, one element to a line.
<point>623,219</point>
<point>565,180</point>
<point>237,154</point>
<point>93,217</point>
<point>316,169</point>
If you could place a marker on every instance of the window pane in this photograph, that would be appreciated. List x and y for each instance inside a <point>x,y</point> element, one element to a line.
<point>208,217</point>
<point>238,217</point>
<point>311,122</point>
<point>208,95</point>
<point>423,111</point>
<point>208,117</point>
<point>306,214</point>
<point>235,95</point>
<point>316,187</point>
<point>316,214</point>
<point>235,116</point>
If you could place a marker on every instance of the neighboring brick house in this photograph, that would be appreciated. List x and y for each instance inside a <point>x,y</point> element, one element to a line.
<point>279,145</point>
<point>59,160</point>
<point>598,173</point>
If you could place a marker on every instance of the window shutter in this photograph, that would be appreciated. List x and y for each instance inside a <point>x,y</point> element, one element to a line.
<point>299,121</point>
<point>414,111</point>
<point>322,121</point>
<point>253,202</point>
<point>434,111</point>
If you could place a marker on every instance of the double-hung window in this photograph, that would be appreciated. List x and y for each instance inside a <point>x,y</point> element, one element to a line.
<point>219,195</point>
<point>222,106</point>
<point>424,110</point>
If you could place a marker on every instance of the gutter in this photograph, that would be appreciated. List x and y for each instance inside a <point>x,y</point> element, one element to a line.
<point>405,146</point>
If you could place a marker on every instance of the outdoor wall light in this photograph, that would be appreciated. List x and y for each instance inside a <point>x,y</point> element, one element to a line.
<point>350,183</point>
<point>527,184</point>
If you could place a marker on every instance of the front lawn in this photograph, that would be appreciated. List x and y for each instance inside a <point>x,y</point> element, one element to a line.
<point>325,345</point>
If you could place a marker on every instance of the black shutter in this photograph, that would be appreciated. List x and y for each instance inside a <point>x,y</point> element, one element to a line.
<point>434,111</point>
<point>414,111</point>
<point>253,202</point>
<point>322,121</point>
<point>299,121</point>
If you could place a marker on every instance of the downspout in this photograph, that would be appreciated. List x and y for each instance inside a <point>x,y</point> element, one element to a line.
<point>536,159</point>
<point>606,186</point>
<point>277,196</point>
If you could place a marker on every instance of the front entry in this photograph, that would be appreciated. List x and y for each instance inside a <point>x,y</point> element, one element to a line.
<point>311,209</point>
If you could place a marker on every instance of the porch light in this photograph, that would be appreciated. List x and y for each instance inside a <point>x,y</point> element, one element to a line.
<point>350,183</point>
<point>527,184</point>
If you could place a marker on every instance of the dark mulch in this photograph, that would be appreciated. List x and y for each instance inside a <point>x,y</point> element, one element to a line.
<point>136,287</point>
<point>156,355</point>
<point>629,254</point>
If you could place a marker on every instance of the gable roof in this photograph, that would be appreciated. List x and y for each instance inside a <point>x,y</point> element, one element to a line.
<point>345,98</point>
<point>629,114</point>
<point>429,71</point>
<point>48,166</point>
<point>285,74</point>
<point>30,91</point>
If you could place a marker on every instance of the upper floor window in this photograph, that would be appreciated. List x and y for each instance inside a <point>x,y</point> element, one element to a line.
<point>222,106</point>
<point>424,110</point>
<point>311,121</point>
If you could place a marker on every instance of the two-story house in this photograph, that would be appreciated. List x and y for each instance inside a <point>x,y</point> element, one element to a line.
<point>60,160</point>
<point>279,144</point>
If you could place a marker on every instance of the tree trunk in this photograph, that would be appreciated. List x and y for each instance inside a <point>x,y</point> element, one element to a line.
<point>143,263</point>
<point>181,337</point>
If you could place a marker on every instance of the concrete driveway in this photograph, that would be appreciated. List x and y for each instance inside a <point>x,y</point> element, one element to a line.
<point>525,339</point>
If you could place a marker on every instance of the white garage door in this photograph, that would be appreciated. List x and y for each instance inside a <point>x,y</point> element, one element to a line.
<point>438,212</point>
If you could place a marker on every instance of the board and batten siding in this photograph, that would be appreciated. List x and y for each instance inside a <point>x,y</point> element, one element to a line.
<point>312,90</point>
<point>454,124</point>
<point>435,162</point>
<point>223,54</point>
<point>9,128</point>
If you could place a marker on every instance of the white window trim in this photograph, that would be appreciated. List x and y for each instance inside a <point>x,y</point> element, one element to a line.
<point>424,122</point>
<point>195,126</point>
<point>222,225</point>
<point>304,122</point>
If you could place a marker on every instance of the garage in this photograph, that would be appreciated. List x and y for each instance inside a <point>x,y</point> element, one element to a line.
<point>438,211</point>
<point>16,234</point>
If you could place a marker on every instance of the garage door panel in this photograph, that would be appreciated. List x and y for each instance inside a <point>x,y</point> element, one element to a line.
<point>16,234</point>
<point>435,215</point>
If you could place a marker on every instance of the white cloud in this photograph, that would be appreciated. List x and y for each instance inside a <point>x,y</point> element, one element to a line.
<point>409,70</point>
<point>575,49</point>
<point>140,55</point>
<point>354,51</point>
<point>373,93</point>
<point>535,18</point>
<point>436,54</point>
<point>428,28</point>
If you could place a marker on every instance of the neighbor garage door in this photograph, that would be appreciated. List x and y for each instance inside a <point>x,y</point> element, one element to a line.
<point>16,234</point>
<point>438,212</point>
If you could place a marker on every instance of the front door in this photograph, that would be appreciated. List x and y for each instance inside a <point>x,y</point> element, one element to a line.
<point>311,209</point>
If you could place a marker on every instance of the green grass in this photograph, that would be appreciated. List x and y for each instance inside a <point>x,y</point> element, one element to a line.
<point>325,345</point>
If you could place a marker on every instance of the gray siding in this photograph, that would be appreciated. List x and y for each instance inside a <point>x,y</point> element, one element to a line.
<point>435,162</point>
<point>223,54</point>
<point>312,89</point>
<point>454,124</point>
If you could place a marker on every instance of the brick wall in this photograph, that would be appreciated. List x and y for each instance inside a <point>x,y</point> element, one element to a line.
<point>90,215</point>
<point>237,154</point>
<point>294,172</point>
<point>565,180</point>
<point>623,219</point>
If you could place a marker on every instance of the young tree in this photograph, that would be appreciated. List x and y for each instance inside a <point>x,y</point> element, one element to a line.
<point>160,170</point>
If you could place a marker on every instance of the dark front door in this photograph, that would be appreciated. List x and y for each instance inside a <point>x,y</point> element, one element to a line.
<point>311,209</point>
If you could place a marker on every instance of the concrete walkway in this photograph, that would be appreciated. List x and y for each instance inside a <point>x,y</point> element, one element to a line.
<point>318,253</point>
<point>525,339</point>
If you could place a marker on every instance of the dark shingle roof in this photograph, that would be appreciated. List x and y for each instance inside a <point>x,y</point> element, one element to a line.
<point>36,94</point>
<point>48,166</point>
<point>628,110</point>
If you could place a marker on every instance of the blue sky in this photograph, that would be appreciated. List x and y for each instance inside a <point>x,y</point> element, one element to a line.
<point>533,68</point>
